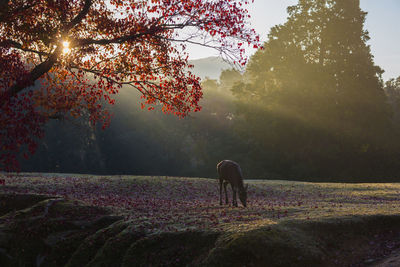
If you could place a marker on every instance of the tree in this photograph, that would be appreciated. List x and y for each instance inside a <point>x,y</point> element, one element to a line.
<point>315,93</point>
<point>228,79</point>
<point>392,90</point>
<point>77,54</point>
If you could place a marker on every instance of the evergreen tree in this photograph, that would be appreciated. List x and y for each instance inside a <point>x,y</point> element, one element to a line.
<point>314,96</point>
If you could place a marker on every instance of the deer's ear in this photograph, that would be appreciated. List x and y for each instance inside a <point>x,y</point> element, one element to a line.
<point>246,186</point>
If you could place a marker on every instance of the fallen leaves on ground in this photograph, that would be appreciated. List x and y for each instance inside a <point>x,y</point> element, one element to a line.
<point>157,204</point>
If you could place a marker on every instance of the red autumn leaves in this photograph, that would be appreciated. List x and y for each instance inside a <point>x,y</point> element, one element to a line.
<point>113,45</point>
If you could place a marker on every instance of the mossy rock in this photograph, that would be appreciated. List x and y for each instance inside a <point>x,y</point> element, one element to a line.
<point>115,249</point>
<point>88,249</point>
<point>49,232</point>
<point>14,202</point>
<point>345,241</point>
<point>171,249</point>
<point>266,246</point>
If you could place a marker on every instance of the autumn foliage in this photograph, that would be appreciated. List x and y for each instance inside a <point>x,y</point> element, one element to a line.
<point>71,59</point>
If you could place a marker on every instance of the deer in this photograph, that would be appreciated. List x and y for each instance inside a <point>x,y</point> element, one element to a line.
<point>230,172</point>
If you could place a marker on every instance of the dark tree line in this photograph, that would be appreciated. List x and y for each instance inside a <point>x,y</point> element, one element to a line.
<point>311,105</point>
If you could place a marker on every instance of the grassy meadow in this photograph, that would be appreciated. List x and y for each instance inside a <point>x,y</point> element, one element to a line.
<point>178,203</point>
<point>319,223</point>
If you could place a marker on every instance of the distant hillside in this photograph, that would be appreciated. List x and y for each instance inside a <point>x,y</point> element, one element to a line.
<point>210,67</point>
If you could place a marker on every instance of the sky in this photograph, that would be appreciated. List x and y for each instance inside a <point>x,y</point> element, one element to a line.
<point>382,23</point>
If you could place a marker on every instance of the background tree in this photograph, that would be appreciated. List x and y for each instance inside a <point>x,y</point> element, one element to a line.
<point>290,117</point>
<point>77,54</point>
<point>143,143</point>
<point>317,96</point>
<point>392,89</point>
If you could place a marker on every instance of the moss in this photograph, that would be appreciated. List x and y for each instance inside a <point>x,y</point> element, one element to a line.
<point>346,240</point>
<point>326,242</point>
<point>49,231</point>
<point>14,202</point>
<point>60,253</point>
<point>77,210</point>
<point>92,244</point>
<point>59,232</point>
<point>114,250</point>
<point>171,249</point>
<point>267,246</point>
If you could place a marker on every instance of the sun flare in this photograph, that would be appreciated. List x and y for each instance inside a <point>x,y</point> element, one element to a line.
<point>66,48</point>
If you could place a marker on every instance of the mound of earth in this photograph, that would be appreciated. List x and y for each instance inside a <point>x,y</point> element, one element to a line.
<point>39,230</point>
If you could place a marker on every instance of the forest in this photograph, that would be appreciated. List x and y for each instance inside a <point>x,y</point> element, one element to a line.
<point>311,105</point>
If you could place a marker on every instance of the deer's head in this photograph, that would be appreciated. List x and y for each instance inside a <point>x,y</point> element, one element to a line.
<point>243,195</point>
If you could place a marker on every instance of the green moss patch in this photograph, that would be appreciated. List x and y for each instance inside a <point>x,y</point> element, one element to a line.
<point>346,241</point>
<point>14,202</point>
<point>93,243</point>
<point>171,249</point>
<point>266,246</point>
<point>116,247</point>
<point>48,232</point>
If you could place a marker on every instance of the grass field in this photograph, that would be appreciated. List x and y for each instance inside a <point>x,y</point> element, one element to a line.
<point>173,203</point>
<point>359,222</point>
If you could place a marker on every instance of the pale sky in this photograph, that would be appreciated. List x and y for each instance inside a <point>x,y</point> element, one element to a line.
<point>382,22</point>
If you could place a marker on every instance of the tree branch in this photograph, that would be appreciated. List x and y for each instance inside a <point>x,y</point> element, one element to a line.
<point>45,66</point>
<point>118,40</point>
<point>19,46</point>
<point>35,73</point>
<point>79,17</point>
<point>5,13</point>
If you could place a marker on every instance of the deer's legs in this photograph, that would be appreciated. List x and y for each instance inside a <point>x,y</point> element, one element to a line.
<point>234,200</point>
<point>226,193</point>
<point>220,192</point>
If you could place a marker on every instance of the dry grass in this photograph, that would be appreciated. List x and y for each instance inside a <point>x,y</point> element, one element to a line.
<point>173,203</point>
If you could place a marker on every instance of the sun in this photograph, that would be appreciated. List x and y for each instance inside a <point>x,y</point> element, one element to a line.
<point>66,48</point>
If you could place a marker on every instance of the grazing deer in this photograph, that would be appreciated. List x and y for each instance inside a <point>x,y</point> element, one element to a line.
<point>230,172</point>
